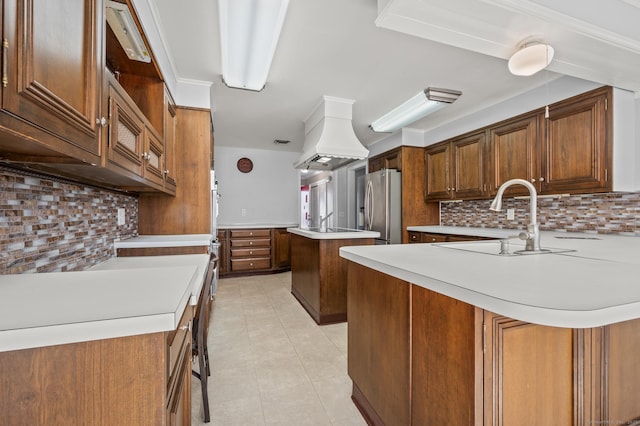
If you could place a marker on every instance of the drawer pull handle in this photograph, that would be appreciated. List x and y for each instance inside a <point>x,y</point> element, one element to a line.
<point>186,327</point>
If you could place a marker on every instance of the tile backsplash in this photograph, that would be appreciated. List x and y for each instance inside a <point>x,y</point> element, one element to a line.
<point>609,213</point>
<point>49,224</point>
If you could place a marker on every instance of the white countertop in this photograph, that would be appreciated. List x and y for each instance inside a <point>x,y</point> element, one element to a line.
<point>147,241</point>
<point>463,230</point>
<point>340,234</point>
<point>200,261</point>
<point>66,307</point>
<point>595,285</point>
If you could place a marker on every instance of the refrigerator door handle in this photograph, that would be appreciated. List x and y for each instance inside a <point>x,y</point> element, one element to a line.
<point>368,203</point>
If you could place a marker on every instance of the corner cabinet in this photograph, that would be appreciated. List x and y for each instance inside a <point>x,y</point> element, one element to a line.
<point>51,78</point>
<point>418,357</point>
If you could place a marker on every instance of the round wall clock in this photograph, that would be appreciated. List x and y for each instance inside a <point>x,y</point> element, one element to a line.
<point>245,165</point>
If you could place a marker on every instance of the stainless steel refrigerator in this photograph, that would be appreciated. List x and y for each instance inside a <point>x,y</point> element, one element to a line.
<point>382,205</point>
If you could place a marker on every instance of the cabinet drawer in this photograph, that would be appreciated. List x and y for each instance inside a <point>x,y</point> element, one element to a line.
<point>434,238</point>
<point>176,340</point>
<point>248,233</point>
<point>251,252</point>
<point>250,264</point>
<point>251,243</point>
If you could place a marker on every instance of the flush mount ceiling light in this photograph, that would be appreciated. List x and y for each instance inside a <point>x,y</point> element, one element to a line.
<point>530,58</point>
<point>249,32</point>
<point>426,102</point>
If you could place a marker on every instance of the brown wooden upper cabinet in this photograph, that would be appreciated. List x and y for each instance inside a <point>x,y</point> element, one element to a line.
<point>51,80</point>
<point>63,110</point>
<point>391,159</point>
<point>568,151</point>
<point>514,153</point>
<point>577,148</point>
<point>455,169</point>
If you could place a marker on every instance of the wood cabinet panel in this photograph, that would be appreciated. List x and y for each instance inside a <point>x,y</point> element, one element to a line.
<point>623,370</point>
<point>446,366</point>
<point>468,166</point>
<point>281,248</point>
<point>126,132</point>
<point>47,40</point>
<point>188,212</point>
<point>378,345</point>
<point>34,390</point>
<point>437,159</point>
<point>577,148</point>
<point>514,153</point>
<point>528,367</point>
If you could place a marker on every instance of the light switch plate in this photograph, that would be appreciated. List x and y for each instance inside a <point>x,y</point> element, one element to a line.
<point>511,214</point>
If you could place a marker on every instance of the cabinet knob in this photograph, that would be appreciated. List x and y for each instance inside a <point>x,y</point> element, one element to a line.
<point>533,180</point>
<point>541,179</point>
<point>101,121</point>
<point>250,243</point>
<point>166,172</point>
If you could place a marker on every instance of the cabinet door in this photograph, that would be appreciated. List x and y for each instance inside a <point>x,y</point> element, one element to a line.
<point>126,133</point>
<point>529,373</point>
<point>577,147</point>
<point>514,154</point>
<point>467,171</point>
<point>154,158</point>
<point>281,248</point>
<point>437,163</point>
<point>53,68</point>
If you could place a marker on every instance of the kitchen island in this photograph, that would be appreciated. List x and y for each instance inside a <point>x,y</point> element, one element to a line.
<point>318,274</point>
<point>100,347</point>
<point>457,334</point>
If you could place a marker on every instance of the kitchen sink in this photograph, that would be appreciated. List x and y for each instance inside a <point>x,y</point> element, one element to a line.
<point>500,248</point>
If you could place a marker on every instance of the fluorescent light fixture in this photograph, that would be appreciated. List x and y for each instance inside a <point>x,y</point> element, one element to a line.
<point>124,27</point>
<point>426,102</point>
<point>249,32</point>
<point>530,58</point>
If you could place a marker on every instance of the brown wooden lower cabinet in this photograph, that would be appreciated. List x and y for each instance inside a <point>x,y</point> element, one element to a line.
<point>253,251</point>
<point>319,276</point>
<point>134,380</point>
<point>418,357</point>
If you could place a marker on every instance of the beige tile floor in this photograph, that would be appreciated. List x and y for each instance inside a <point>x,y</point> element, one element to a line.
<point>271,363</point>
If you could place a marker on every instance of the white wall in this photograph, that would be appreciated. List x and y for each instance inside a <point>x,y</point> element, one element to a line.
<point>268,194</point>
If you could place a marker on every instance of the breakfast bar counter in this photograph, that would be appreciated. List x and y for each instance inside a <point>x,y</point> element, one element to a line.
<point>457,333</point>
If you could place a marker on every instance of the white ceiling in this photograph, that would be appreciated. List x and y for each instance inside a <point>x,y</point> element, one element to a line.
<point>343,48</point>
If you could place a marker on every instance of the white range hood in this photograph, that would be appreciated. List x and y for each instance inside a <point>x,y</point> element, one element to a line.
<point>330,141</point>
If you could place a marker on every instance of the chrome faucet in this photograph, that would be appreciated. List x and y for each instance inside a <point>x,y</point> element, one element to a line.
<point>532,234</point>
<point>324,219</point>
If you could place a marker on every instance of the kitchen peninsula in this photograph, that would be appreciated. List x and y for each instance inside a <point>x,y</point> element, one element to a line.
<point>105,346</point>
<point>457,334</point>
<point>318,274</point>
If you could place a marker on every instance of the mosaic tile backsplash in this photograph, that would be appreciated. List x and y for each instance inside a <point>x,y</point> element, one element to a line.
<point>610,213</point>
<point>49,225</point>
